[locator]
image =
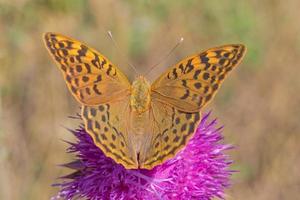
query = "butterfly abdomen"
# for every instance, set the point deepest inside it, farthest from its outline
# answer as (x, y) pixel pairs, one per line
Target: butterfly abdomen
(140, 95)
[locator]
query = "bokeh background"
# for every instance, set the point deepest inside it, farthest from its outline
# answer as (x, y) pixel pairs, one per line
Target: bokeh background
(259, 103)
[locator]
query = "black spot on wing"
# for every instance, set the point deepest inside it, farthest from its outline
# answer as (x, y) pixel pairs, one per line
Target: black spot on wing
(96, 90)
(88, 67)
(85, 79)
(196, 74)
(184, 82)
(198, 85)
(181, 68)
(215, 87)
(166, 138)
(97, 125)
(88, 91)
(93, 112)
(103, 63)
(189, 67)
(186, 95)
(221, 77)
(218, 53)
(226, 55)
(109, 69)
(82, 51)
(101, 108)
(63, 67)
(96, 61)
(204, 59)
(173, 74)
(183, 127)
(89, 125)
(103, 136)
(205, 76)
(68, 78)
(191, 128)
(99, 78)
(176, 139)
(222, 61)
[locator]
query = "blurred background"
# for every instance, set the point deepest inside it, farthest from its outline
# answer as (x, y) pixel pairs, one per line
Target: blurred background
(259, 103)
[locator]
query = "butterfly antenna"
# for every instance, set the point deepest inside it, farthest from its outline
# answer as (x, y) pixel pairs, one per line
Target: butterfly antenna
(165, 56)
(120, 52)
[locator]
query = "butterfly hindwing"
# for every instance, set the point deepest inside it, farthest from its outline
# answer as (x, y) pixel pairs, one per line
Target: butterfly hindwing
(193, 82)
(91, 77)
(108, 126)
(171, 130)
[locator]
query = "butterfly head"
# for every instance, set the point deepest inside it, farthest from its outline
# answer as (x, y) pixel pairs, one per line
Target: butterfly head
(140, 95)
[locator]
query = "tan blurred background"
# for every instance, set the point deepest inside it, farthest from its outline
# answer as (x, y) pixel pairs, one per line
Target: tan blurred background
(259, 103)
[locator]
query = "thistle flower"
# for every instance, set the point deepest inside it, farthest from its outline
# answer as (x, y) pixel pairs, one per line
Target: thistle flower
(199, 171)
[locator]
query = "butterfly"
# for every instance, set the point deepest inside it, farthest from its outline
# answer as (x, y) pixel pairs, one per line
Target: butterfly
(141, 125)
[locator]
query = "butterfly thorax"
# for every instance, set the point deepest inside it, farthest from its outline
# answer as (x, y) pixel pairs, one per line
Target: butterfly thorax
(140, 95)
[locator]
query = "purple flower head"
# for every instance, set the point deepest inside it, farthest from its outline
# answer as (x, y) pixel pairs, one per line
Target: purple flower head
(199, 171)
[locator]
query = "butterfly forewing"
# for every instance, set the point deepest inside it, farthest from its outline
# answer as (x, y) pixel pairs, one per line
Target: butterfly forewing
(91, 77)
(193, 82)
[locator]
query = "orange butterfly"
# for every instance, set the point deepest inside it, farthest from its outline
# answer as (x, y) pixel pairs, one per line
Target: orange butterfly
(140, 125)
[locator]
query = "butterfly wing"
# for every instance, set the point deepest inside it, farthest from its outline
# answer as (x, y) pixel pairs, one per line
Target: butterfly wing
(171, 129)
(91, 78)
(179, 94)
(193, 82)
(108, 126)
(102, 89)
